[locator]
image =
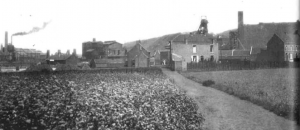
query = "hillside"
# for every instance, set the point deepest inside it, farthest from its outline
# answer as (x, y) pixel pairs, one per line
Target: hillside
(159, 43)
(153, 44)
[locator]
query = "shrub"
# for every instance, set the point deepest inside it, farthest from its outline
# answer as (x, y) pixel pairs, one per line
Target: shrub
(64, 67)
(208, 83)
(86, 67)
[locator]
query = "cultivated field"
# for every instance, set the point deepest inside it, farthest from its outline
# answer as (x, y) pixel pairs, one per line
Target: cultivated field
(273, 89)
(94, 100)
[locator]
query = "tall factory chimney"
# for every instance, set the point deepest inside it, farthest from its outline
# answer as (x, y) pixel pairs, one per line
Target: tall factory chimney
(241, 26)
(74, 52)
(6, 41)
(48, 54)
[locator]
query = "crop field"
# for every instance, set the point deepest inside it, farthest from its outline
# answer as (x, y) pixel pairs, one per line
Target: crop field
(94, 100)
(273, 89)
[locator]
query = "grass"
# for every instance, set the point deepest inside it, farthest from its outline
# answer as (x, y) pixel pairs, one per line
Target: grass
(273, 89)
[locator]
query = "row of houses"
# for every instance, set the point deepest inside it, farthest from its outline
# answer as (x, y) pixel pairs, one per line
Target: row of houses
(261, 42)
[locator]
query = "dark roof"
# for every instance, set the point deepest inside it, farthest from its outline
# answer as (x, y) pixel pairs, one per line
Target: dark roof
(106, 61)
(241, 53)
(194, 38)
(90, 42)
(109, 42)
(234, 53)
(137, 42)
(59, 57)
(256, 50)
(258, 35)
(101, 61)
(290, 39)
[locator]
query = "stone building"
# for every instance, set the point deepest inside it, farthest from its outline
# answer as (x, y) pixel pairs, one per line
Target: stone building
(280, 49)
(196, 47)
(138, 56)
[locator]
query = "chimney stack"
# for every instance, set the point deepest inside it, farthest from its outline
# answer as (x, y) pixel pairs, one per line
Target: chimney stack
(241, 26)
(58, 52)
(48, 54)
(94, 39)
(68, 52)
(6, 41)
(74, 52)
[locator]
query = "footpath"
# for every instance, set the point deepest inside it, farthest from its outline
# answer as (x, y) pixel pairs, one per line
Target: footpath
(225, 112)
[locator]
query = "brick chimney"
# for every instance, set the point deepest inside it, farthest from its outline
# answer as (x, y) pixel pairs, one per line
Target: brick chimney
(58, 52)
(6, 41)
(241, 26)
(74, 52)
(68, 52)
(48, 54)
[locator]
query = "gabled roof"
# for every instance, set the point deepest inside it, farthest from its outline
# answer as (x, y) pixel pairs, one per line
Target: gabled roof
(290, 39)
(258, 35)
(194, 38)
(109, 42)
(138, 43)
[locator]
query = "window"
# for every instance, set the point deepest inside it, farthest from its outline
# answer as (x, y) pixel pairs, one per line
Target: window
(296, 48)
(202, 58)
(194, 59)
(132, 63)
(211, 58)
(286, 56)
(286, 47)
(291, 56)
(194, 49)
(118, 52)
(211, 48)
(114, 52)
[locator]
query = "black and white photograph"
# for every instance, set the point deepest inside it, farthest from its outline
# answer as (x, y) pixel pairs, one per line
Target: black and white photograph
(149, 65)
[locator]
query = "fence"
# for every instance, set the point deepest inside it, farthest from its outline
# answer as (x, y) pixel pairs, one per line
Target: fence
(241, 65)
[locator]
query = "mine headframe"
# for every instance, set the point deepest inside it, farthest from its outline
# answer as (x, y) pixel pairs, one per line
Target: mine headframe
(203, 26)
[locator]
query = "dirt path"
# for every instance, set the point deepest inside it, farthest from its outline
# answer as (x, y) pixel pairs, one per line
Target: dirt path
(225, 112)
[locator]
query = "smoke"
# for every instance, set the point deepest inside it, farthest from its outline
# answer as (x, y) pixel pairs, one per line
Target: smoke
(34, 29)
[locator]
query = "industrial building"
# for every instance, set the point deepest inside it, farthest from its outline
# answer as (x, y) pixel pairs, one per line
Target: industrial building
(63, 58)
(9, 54)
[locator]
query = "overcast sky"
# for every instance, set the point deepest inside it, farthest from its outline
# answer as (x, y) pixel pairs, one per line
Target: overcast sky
(71, 22)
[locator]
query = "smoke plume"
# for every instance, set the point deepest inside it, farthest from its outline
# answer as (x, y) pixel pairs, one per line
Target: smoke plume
(34, 29)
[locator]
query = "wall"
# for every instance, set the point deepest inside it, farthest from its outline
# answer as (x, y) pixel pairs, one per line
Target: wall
(186, 51)
(141, 60)
(114, 47)
(275, 49)
(291, 49)
(98, 50)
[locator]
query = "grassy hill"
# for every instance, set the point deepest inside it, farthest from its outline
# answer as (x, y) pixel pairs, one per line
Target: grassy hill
(159, 43)
(153, 44)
